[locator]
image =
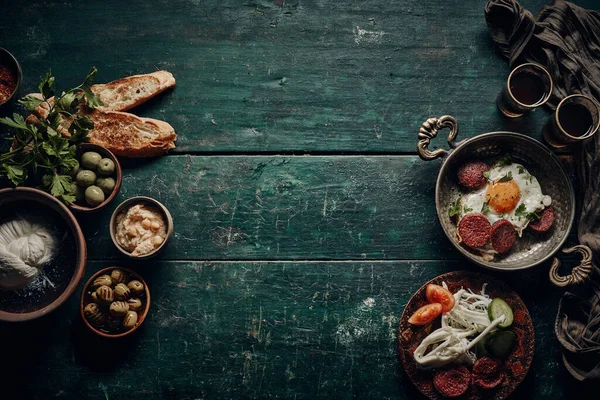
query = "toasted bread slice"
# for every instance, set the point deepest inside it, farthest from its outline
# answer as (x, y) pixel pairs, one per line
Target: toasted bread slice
(128, 135)
(126, 93)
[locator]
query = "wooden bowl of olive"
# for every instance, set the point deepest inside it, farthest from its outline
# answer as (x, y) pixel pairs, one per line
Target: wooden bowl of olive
(98, 178)
(115, 302)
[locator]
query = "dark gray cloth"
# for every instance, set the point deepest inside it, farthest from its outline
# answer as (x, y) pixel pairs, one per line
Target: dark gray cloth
(565, 38)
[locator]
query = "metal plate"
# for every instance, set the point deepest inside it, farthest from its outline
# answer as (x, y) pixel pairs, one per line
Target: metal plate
(517, 364)
(532, 248)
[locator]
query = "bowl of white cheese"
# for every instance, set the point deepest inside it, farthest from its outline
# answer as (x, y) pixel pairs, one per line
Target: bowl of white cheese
(42, 254)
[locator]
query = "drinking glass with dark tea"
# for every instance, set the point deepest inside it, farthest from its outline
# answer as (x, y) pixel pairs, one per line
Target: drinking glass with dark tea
(577, 117)
(528, 86)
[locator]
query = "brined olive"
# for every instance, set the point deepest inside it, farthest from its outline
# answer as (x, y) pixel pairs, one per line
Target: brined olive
(130, 319)
(106, 167)
(94, 196)
(106, 183)
(118, 308)
(136, 287)
(79, 193)
(85, 178)
(105, 294)
(101, 280)
(118, 276)
(122, 292)
(94, 315)
(90, 159)
(134, 304)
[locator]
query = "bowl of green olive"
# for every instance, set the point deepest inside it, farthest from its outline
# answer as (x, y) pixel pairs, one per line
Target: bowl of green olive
(98, 178)
(115, 302)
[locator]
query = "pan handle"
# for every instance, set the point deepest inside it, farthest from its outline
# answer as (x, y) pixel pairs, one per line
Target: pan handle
(580, 274)
(429, 130)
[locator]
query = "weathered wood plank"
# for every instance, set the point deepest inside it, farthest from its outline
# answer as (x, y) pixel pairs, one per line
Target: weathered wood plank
(282, 76)
(257, 330)
(302, 207)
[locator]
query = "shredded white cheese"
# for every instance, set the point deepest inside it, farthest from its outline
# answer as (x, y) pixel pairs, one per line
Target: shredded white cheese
(451, 343)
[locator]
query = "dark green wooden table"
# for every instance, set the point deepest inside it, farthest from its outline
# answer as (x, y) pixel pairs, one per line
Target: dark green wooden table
(304, 219)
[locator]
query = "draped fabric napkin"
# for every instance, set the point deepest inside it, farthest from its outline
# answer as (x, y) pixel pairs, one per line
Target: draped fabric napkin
(565, 38)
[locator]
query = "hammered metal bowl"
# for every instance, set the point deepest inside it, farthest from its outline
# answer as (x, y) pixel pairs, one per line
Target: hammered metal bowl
(532, 248)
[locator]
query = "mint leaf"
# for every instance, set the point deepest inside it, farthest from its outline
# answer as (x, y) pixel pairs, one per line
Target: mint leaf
(30, 102)
(506, 178)
(454, 208)
(46, 85)
(505, 160)
(485, 208)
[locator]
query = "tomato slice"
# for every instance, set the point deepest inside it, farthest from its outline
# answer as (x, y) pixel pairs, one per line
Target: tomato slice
(426, 314)
(437, 294)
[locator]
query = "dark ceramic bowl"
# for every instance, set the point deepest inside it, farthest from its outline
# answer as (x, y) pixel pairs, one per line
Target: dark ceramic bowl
(530, 249)
(86, 299)
(62, 273)
(8, 60)
(80, 207)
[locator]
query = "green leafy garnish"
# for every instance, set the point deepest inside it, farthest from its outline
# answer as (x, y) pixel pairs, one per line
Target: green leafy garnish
(506, 178)
(486, 175)
(521, 211)
(521, 169)
(485, 208)
(467, 209)
(41, 156)
(454, 208)
(505, 160)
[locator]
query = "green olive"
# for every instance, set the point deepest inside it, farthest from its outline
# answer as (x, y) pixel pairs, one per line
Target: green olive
(79, 193)
(85, 178)
(107, 184)
(106, 167)
(90, 159)
(94, 196)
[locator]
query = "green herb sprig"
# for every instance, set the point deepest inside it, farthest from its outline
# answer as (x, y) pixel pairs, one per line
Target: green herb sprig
(41, 156)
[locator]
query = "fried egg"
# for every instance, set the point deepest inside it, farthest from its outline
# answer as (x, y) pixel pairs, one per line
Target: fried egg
(511, 193)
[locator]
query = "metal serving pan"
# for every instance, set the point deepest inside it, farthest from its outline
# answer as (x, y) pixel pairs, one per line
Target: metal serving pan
(530, 249)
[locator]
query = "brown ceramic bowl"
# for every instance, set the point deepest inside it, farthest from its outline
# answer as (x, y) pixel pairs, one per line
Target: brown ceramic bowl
(8, 60)
(136, 200)
(86, 299)
(66, 268)
(81, 207)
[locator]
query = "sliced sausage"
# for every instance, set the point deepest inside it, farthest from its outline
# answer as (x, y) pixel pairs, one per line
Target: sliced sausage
(545, 222)
(474, 230)
(503, 236)
(452, 382)
(488, 372)
(470, 175)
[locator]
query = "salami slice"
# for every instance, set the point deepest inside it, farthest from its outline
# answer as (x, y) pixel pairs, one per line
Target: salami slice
(503, 236)
(488, 372)
(545, 222)
(452, 382)
(474, 230)
(470, 175)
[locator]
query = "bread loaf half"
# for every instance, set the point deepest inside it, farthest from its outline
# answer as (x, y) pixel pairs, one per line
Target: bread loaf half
(123, 133)
(126, 93)
(128, 135)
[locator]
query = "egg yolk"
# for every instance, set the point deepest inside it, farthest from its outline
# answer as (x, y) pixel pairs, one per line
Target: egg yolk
(503, 197)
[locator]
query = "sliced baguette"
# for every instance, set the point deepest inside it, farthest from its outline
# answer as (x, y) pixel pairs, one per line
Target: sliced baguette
(126, 93)
(128, 135)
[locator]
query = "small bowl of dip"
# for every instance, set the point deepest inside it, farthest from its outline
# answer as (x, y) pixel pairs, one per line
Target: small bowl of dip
(140, 227)
(11, 77)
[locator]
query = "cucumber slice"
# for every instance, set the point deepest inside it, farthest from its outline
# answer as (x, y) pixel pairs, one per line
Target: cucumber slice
(500, 343)
(497, 308)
